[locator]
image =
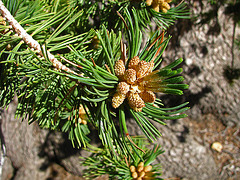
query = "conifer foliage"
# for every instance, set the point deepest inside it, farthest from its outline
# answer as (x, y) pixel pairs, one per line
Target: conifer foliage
(78, 66)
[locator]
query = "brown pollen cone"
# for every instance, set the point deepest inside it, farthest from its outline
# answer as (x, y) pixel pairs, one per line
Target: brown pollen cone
(134, 100)
(132, 83)
(119, 68)
(118, 99)
(130, 76)
(133, 62)
(148, 96)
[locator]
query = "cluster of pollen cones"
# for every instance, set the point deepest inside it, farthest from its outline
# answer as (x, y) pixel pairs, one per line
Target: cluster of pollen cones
(159, 5)
(141, 172)
(131, 85)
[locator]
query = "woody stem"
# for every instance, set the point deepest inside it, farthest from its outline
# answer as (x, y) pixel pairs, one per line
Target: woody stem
(29, 39)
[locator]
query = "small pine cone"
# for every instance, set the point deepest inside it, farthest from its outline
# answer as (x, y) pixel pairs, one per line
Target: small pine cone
(130, 76)
(165, 6)
(134, 175)
(119, 68)
(149, 2)
(2, 22)
(141, 164)
(141, 174)
(133, 63)
(148, 96)
(79, 120)
(123, 87)
(132, 169)
(118, 99)
(137, 109)
(147, 168)
(140, 168)
(142, 69)
(135, 101)
(151, 66)
(149, 175)
(84, 122)
(155, 6)
(164, 10)
(95, 42)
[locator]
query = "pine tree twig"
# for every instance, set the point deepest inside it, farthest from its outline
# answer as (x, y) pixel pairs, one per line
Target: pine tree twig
(180, 3)
(122, 20)
(29, 39)
(123, 52)
(108, 69)
(129, 138)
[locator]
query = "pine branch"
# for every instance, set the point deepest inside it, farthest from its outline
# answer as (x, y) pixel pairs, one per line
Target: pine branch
(124, 166)
(29, 40)
(53, 98)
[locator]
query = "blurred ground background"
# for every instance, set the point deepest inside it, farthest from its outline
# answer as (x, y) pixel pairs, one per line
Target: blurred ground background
(205, 44)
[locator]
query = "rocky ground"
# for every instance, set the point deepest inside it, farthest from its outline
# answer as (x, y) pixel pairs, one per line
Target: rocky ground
(207, 50)
(206, 47)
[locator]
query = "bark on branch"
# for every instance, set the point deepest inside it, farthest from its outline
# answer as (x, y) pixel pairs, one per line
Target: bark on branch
(29, 40)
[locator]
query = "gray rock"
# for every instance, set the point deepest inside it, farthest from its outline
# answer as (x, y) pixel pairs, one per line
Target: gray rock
(24, 158)
(207, 53)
